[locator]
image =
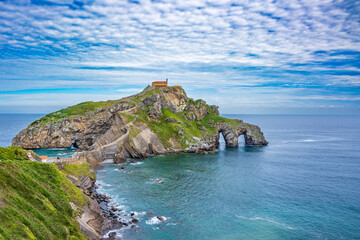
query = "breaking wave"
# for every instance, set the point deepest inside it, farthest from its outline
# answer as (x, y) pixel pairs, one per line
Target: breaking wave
(155, 220)
(266, 220)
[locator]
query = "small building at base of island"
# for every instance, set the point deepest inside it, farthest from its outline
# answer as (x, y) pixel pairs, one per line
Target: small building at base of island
(162, 84)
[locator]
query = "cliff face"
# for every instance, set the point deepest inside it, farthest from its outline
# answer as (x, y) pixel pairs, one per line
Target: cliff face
(80, 131)
(156, 121)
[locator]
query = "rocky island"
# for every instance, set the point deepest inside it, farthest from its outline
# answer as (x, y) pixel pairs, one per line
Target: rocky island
(159, 120)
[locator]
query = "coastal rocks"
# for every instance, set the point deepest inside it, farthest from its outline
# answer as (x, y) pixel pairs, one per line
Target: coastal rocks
(91, 220)
(231, 135)
(172, 120)
(80, 131)
(202, 145)
(202, 128)
(115, 218)
(157, 180)
(147, 142)
(93, 157)
(153, 105)
(199, 109)
(153, 150)
(88, 132)
(116, 130)
(33, 156)
(126, 150)
(161, 218)
(174, 99)
(139, 126)
(252, 133)
(156, 220)
(254, 136)
(144, 143)
(120, 157)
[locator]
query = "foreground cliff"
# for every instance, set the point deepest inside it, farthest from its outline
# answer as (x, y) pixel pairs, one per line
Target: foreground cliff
(36, 199)
(52, 201)
(156, 121)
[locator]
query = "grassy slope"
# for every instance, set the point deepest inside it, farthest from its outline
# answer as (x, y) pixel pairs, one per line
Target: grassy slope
(166, 131)
(128, 117)
(77, 110)
(190, 128)
(34, 201)
(15, 153)
(233, 123)
(79, 170)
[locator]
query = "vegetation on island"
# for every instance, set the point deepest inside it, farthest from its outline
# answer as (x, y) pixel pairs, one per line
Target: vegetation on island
(35, 198)
(183, 131)
(179, 122)
(180, 133)
(80, 109)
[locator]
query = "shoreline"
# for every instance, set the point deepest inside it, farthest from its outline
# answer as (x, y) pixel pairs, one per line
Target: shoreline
(117, 218)
(113, 218)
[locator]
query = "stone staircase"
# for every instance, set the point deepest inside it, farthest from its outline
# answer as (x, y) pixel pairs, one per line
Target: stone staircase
(110, 152)
(111, 148)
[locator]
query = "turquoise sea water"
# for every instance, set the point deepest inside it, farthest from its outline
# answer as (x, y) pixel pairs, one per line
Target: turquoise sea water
(55, 152)
(304, 185)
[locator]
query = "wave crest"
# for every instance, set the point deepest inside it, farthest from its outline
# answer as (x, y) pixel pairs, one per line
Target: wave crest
(266, 220)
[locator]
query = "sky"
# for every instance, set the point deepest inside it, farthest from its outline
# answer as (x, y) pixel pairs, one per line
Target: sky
(246, 56)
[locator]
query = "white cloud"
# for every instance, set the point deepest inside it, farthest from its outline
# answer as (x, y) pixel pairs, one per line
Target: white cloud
(134, 44)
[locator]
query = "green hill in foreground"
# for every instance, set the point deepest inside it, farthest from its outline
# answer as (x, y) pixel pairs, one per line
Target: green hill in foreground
(35, 200)
(13, 153)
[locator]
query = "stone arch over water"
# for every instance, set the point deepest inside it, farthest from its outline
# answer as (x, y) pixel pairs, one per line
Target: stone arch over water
(230, 135)
(252, 134)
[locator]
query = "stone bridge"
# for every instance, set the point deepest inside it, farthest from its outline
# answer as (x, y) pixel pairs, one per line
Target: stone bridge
(252, 134)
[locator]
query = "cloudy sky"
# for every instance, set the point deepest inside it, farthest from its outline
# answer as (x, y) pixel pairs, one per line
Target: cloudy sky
(247, 56)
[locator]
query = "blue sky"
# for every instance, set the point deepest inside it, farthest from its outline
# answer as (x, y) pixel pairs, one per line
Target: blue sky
(257, 56)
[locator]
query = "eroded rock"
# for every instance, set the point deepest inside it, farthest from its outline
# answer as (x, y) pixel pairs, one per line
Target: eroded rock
(128, 128)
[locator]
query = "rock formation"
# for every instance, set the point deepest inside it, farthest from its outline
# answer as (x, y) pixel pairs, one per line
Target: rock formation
(158, 120)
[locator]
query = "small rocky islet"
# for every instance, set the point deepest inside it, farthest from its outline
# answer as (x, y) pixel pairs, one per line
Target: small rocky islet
(159, 120)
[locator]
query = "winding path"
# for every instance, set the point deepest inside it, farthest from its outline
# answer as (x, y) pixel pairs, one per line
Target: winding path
(111, 148)
(127, 127)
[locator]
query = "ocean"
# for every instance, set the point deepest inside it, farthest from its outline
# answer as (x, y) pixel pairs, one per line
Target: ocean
(303, 185)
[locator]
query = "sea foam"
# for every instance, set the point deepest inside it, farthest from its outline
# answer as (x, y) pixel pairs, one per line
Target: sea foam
(267, 220)
(155, 220)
